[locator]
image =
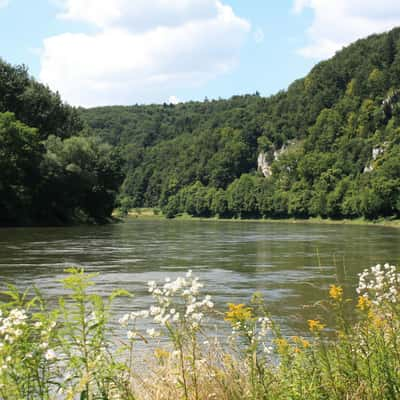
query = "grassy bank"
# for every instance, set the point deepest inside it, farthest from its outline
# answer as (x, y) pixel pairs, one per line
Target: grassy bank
(71, 352)
(147, 213)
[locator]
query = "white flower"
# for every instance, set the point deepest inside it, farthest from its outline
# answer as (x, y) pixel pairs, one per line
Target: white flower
(152, 285)
(50, 355)
(124, 320)
(175, 318)
(152, 332)
(131, 335)
(155, 310)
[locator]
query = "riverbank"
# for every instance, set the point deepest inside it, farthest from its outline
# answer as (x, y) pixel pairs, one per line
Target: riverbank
(151, 213)
(70, 352)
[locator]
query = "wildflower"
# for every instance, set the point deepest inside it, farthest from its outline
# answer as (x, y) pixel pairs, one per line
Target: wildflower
(305, 343)
(161, 354)
(315, 325)
(282, 345)
(131, 335)
(267, 349)
(238, 313)
(175, 317)
(124, 320)
(152, 332)
(301, 341)
(363, 303)
(336, 293)
(50, 355)
(155, 310)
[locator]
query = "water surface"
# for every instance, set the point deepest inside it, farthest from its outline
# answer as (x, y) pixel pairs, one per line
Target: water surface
(291, 264)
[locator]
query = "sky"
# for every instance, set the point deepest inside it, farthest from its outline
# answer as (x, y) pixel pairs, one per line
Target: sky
(106, 52)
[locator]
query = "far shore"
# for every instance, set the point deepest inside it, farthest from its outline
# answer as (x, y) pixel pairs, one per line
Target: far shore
(150, 213)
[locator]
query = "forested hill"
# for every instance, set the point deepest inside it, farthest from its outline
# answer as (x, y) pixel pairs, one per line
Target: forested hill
(51, 170)
(328, 146)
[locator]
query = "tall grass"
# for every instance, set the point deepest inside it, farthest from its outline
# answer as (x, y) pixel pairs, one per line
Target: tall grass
(69, 352)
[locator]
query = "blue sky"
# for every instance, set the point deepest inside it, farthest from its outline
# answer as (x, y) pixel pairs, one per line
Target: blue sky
(98, 52)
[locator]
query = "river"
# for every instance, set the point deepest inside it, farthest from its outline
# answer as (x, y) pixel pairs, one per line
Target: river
(291, 264)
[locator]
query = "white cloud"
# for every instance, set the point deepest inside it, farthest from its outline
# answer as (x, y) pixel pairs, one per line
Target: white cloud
(142, 50)
(138, 15)
(4, 3)
(337, 23)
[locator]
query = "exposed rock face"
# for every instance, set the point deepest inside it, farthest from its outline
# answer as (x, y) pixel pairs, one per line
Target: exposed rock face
(266, 159)
(376, 152)
(390, 103)
(263, 165)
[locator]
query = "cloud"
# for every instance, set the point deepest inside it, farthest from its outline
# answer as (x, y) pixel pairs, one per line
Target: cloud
(138, 15)
(337, 23)
(142, 50)
(4, 3)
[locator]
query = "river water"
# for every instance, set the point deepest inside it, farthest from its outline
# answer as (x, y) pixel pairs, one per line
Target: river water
(291, 264)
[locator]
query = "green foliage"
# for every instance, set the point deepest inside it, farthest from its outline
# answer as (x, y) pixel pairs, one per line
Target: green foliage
(318, 136)
(49, 174)
(71, 351)
(20, 155)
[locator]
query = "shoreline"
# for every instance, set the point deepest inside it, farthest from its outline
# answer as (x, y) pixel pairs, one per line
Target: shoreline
(148, 213)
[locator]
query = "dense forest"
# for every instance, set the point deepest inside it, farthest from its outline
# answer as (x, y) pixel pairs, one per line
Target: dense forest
(328, 146)
(52, 170)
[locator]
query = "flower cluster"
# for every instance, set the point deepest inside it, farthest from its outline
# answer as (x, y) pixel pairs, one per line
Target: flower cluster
(177, 302)
(11, 326)
(245, 324)
(379, 284)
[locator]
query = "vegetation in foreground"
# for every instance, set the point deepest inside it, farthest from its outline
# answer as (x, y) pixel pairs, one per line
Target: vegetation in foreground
(70, 353)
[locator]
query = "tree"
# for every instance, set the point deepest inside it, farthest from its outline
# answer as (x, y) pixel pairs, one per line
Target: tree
(20, 156)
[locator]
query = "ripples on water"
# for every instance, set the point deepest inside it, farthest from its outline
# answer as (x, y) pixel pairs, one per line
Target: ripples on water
(291, 264)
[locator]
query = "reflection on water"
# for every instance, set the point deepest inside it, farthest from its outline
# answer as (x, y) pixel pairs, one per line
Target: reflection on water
(291, 264)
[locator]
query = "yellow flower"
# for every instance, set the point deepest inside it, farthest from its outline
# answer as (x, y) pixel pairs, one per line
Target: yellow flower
(336, 293)
(315, 325)
(301, 341)
(305, 343)
(378, 321)
(161, 354)
(282, 345)
(238, 313)
(297, 350)
(364, 303)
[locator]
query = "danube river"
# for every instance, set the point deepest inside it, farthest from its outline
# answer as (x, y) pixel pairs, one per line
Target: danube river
(291, 264)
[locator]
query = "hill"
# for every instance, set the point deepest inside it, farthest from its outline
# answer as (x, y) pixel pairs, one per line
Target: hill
(327, 146)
